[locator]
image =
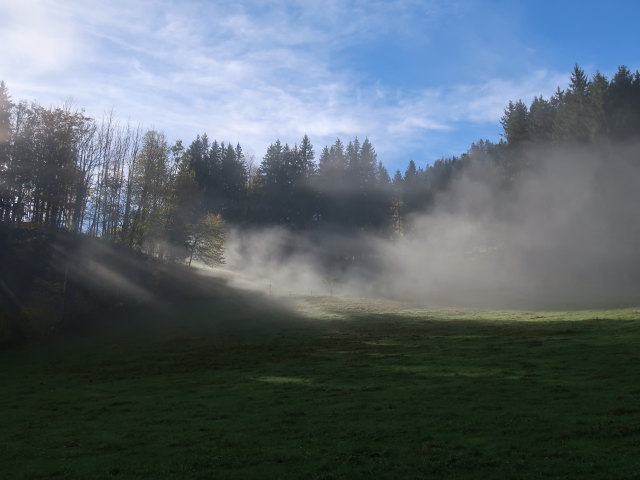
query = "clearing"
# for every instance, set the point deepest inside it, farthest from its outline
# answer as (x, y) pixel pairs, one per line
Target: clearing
(344, 388)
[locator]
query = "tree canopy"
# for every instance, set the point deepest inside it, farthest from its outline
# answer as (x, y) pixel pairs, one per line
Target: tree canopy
(62, 169)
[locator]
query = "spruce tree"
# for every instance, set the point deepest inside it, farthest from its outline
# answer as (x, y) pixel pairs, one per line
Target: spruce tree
(515, 123)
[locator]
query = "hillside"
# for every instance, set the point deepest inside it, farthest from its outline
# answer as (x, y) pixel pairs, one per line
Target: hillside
(54, 280)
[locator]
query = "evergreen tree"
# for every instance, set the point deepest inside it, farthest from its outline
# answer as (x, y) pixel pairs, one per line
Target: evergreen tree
(412, 188)
(272, 170)
(186, 209)
(382, 175)
(598, 92)
(541, 120)
(623, 104)
(233, 181)
(575, 120)
(332, 167)
(272, 182)
(354, 167)
(368, 161)
(199, 154)
(398, 179)
(411, 173)
(307, 156)
(515, 123)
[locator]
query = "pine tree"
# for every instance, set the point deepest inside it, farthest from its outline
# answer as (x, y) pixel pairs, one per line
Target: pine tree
(368, 162)
(515, 123)
(382, 175)
(272, 169)
(541, 120)
(411, 173)
(354, 167)
(233, 181)
(579, 83)
(307, 156)
(199, 152)
(575, 116)
(186, 209)
(597, 93)
(332, 166)
(623, 105)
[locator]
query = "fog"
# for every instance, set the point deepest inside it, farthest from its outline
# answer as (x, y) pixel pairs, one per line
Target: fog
(564, 234)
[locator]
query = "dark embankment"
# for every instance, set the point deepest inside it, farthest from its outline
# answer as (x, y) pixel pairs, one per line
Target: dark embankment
(53, 281)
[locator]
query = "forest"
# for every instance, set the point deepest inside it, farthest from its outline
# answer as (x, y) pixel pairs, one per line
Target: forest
(61, 169)
(548, 211)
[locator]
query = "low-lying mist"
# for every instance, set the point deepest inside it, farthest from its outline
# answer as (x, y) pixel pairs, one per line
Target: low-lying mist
(564, 233)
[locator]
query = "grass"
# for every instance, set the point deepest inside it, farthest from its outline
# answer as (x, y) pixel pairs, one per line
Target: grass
(350, 389)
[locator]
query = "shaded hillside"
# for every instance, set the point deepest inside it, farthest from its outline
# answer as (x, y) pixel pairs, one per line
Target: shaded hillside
(53, 280)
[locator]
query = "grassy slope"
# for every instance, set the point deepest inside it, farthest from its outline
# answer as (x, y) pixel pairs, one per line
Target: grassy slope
(53, 282)
(371, 390)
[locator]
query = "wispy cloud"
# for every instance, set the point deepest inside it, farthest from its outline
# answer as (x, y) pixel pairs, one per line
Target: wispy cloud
(33, 43)
(242, 71)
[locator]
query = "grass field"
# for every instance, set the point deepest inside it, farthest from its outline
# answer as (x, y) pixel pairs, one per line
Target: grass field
(343, 389)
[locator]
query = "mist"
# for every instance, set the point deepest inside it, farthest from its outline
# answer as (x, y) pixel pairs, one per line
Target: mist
(564, 233)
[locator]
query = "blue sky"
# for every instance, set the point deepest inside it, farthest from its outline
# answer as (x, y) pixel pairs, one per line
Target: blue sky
(422, 79)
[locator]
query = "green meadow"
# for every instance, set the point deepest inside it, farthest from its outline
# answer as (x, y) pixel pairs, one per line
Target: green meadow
(328, 389)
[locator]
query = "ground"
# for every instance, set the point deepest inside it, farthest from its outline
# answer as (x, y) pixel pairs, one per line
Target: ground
(342, 388)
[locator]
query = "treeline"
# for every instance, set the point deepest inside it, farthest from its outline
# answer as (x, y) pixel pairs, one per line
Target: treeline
(62, 169)
(590, 111)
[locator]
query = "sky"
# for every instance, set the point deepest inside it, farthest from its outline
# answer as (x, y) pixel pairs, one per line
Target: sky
(422, 79)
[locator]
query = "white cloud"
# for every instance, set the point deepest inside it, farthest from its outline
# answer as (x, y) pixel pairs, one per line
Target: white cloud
(488, 101)
(247, 71)
(32, 38)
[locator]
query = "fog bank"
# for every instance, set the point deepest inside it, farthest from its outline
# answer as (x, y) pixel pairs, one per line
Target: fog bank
(565, 233)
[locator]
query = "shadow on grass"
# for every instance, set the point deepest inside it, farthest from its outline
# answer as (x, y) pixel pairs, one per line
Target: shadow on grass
(246, 390)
